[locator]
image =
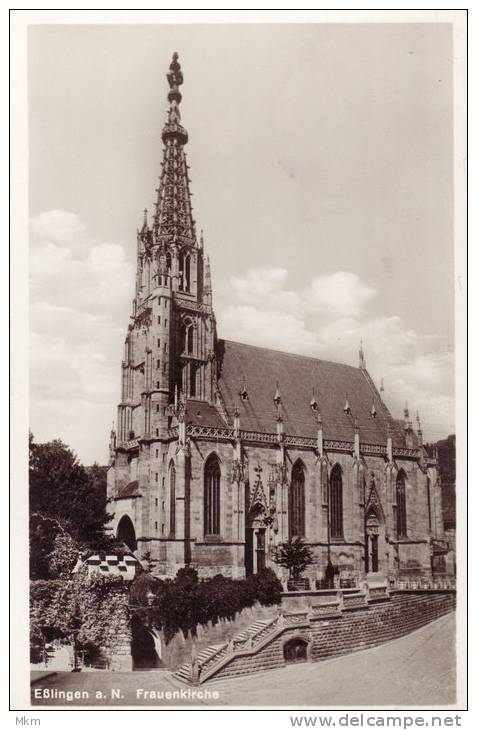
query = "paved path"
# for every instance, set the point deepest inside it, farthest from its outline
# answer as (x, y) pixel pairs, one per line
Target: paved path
(418, 669)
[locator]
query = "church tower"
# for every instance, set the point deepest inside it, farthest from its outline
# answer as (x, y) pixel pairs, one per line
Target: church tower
(170, 341)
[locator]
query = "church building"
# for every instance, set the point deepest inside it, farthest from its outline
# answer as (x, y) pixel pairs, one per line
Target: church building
(224, 450)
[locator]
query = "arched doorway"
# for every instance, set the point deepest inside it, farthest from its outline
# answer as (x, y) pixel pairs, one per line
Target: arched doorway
(295, 650)
(143, 647)
(126, 533)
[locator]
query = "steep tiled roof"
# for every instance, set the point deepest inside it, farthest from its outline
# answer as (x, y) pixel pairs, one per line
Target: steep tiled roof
(297, 375)
(129, 490)
(203, 414)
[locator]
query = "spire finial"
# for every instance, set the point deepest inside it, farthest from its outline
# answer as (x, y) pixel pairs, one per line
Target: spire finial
(362, 361)
(201, 240)
(382, 386)
(313, 402)
(277, 399)
(346, 407)
(173, 128)
(418, 422)
(406, 411)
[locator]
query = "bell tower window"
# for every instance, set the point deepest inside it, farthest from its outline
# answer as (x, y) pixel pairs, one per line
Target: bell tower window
(212, 496)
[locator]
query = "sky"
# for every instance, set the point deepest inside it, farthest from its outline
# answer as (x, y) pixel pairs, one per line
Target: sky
(321, 160)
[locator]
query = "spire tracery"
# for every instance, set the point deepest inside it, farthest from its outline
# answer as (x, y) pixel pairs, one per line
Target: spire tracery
(173, 221)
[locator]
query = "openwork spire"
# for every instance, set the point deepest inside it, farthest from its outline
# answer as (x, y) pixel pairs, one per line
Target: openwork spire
(173, 222)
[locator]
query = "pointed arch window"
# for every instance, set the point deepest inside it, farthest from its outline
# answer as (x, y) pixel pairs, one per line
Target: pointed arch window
(336, 502)
(296, 501)
(187, 273)
(172, 498)
(401, 515)
(193, 376)
(190, 339)
(212, 496)
(181, 271)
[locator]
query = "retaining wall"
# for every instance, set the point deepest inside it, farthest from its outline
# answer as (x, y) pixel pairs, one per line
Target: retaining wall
(404, 612)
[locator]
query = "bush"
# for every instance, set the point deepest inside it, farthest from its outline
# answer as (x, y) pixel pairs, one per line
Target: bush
(185, 602)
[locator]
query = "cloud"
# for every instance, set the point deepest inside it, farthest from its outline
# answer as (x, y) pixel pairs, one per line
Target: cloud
(80, 293)
(327, 319)
(81, 289)
(58, 226)
(340, 294)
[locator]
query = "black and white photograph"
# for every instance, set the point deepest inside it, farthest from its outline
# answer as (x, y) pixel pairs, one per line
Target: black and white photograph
(246, 267)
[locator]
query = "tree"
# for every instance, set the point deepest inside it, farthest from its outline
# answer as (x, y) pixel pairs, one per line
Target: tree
(53, 552)
(295, 555)
(67, 509)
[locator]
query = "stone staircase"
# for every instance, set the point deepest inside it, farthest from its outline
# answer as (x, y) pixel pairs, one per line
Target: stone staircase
(251, 639)
(211, 653)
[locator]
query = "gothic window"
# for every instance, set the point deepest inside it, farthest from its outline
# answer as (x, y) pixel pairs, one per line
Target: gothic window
(324, 483)
(172, 498)
(181, 271)
(187, 273)
(212, 496)
(336, 502)
(401, 518)
(429, 510)
(296, 506)
(190, 339)
(193, 375)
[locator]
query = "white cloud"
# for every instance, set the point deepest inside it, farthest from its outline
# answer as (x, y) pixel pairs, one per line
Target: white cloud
(341, 294)
(80, 294)
(80, 300)
(59, 226)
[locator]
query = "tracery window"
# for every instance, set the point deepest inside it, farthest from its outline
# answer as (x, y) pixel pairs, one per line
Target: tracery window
(212, 496)
(401, 516)
(296, 501)
(336, 502)
(193, 376)
(190, 339)
(172, 498)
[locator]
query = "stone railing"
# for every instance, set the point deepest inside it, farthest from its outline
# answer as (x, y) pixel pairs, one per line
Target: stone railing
(228, 434)
(425, 584)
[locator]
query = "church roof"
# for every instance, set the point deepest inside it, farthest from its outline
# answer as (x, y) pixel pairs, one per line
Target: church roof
(259, 369)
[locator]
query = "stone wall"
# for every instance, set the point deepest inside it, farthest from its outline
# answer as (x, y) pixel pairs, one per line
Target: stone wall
(225, 553)
(351, 631)
(179, 649)
(116, 647)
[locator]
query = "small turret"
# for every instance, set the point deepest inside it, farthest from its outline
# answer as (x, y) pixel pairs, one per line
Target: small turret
(419, 429)
(313, 401)
(319, 437)
(389, 442)
(236, 421)
(362, 361)
(356, 453)
(207, 282)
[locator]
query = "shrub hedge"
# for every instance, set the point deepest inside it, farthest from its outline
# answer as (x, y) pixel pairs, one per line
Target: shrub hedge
(185, 602)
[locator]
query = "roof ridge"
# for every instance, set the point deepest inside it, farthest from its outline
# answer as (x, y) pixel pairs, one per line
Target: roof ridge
(291, 354)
